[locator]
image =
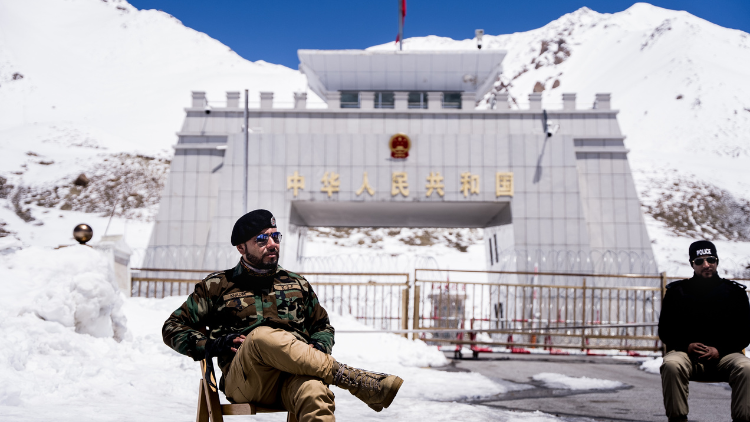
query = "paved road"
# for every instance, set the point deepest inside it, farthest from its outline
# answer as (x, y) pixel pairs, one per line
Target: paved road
(641, 402)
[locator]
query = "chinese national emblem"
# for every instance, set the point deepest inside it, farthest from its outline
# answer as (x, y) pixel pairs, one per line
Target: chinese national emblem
(399, 145)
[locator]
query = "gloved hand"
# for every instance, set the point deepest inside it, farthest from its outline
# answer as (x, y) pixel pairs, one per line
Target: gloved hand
(316, 345)
(221, 345)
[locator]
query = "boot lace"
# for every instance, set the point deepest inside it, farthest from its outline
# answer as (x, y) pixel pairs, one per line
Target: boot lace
(356, 378)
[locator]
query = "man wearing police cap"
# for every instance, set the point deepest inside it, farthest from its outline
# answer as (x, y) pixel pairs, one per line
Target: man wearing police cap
(272, 338)
(705, 325)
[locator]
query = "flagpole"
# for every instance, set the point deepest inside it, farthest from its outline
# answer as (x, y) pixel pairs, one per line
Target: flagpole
(400, 25)
(246, 130)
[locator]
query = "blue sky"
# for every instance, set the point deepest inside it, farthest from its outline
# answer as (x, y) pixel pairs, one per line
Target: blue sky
(274, 30)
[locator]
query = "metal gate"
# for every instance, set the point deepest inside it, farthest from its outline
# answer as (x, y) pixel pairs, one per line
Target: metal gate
(557, 311)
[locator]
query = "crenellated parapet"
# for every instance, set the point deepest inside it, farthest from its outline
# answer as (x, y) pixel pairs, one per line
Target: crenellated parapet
(399, 102)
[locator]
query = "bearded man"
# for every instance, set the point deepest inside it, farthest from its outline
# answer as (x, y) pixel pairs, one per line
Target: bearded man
(272, 338)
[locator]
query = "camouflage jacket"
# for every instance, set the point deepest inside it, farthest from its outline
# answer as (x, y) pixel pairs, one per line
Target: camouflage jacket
(238, 301)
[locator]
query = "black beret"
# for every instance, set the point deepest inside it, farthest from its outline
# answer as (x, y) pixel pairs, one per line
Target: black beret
(702, 247)
(250, 224)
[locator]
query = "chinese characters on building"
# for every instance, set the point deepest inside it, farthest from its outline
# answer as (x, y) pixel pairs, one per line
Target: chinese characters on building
(331, 183)
(435, 182)
(468, 183)
(365, 186)
(295, 182)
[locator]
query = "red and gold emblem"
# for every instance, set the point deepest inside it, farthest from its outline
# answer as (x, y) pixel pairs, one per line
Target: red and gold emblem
(400, 145)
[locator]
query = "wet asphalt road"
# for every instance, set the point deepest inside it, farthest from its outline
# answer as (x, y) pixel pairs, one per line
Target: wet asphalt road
(642, 401)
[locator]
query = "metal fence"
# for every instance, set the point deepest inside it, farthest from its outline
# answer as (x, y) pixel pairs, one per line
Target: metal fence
(551, 311)
(581, 315)
(159, 283)
(377, 300)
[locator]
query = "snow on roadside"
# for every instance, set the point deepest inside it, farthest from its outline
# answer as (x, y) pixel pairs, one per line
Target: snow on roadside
(406, 358)
(65, 375)
(652, 365)
(552, 380)
(71, 286)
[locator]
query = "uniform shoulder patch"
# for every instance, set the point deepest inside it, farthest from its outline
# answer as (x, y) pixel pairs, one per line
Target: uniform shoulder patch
(216, 274)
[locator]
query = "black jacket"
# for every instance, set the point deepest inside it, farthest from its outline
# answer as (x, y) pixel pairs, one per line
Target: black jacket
(714, 312)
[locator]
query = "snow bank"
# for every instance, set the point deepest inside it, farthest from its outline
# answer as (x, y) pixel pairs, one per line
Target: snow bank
(552, 380)
(50, 372)
(382, 348)
(71, 286)
(652, 365)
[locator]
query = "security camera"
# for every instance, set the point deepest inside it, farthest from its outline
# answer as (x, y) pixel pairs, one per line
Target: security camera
(207, 109)
(549, 127)
(552, 129)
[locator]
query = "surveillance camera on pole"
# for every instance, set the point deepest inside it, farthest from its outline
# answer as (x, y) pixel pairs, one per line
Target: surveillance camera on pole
(548, 126)
(479, 33)
(207, 108)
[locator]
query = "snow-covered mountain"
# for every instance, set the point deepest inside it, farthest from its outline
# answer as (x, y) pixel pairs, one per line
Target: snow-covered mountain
(681, 85)
(84, 80)
(93, 87)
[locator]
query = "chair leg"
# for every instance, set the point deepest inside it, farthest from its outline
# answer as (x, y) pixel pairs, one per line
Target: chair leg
(202, 404)
(212, 403)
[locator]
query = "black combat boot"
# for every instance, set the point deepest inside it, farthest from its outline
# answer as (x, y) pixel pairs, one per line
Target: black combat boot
(375, 389)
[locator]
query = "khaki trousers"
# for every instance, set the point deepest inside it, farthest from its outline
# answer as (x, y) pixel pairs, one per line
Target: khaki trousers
(677, 370)
(272, 368)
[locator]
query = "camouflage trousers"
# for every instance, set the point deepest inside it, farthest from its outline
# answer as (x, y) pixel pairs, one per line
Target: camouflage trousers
(272, 368)
(678, 370)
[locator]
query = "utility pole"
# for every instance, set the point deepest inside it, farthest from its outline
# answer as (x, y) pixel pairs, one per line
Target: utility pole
(247, 152)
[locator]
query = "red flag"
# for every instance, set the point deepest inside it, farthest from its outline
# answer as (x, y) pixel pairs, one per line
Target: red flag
(402, 15)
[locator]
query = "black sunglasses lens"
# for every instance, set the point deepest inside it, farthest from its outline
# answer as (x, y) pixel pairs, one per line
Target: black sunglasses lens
(262, 239)
(710, 260)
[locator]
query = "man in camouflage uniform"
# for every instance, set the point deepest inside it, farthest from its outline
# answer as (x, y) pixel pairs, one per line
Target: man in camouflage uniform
(272, 338)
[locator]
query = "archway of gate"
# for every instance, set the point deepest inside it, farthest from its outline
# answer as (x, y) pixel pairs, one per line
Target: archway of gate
(400, 214)
(427, 223)
(491, 216)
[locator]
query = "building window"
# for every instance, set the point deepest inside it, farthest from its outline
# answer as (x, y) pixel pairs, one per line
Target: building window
(417, 100)
(451, 100)
(349, 99)
(384, 100)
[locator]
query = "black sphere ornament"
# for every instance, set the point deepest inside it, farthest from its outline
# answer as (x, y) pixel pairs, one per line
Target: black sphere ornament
(83, 233)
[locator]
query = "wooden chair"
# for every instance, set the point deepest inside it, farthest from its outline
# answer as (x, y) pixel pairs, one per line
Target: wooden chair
(209, 408)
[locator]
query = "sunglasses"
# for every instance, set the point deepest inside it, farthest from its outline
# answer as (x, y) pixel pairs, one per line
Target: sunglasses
(262, 239)
(710, 260)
